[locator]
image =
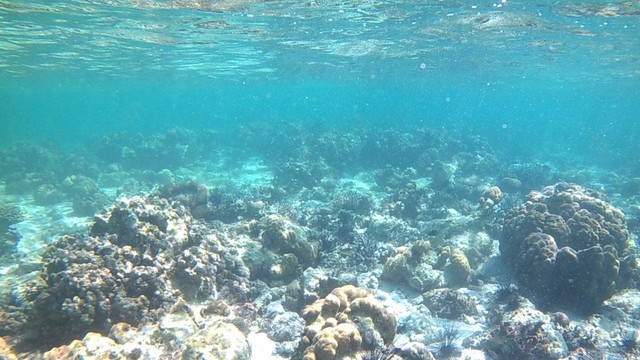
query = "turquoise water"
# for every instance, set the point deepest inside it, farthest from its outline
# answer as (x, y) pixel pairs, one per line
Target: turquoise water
(549, 77)
(257, 123)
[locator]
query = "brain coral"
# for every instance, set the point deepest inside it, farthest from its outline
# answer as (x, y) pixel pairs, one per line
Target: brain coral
(563, 244)
(284, 236)
(335, 325)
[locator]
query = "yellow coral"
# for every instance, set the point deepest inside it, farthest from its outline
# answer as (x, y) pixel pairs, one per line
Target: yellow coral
(343, 339)
(92, 346)
(420, 249)
(283, 236)
(347, 294)
(458, 270)
(490, 197)
(396, 267)
(384, 322)
(331, 332)
(286, 268)
(5, 351)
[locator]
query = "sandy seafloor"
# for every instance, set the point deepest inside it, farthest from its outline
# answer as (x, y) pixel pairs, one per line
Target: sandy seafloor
(223, 254)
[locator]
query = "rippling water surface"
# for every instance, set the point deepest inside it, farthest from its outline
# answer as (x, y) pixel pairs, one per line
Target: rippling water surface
(557, 73)
(340, 38)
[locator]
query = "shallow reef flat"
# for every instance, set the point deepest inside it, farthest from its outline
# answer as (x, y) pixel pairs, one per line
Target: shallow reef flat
(288, 242)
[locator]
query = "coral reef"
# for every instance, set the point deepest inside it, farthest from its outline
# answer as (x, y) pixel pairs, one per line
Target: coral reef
(220, 340)
(231, 206)
(519, 341)
(510, 184)
(191, 194)
(522, 332)
(277, 251)
(565, 243)
(177, 147)
(409, 200)
(47, 194)
(393, 178)
(26, 158)
(215, 340)
(296, 175)
(410, 265)
(6, 353)
(39, 170)
(457, 271)
(10, 214)
(126, 272)
(527, 176)
(285, 237)
(93, 345)
(284, 327)
(449, 304)
(353, 200)
(490, 197)
(280, 251)
(86, 196)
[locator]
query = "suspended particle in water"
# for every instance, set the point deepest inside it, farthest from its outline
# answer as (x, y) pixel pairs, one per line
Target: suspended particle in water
(504, 126)
(447, 99)
(423, 66)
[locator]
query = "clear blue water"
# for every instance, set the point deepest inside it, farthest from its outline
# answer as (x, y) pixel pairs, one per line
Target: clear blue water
(537, 79)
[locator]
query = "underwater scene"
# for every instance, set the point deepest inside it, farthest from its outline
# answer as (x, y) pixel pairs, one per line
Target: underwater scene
(319, 179)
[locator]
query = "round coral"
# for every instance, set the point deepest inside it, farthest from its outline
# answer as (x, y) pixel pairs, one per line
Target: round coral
(458, 270)
(283, 236)
(490, 197)
(563, 244)
(335, 325)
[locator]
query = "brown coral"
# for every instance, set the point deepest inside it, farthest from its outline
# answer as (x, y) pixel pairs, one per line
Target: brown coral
(491, 197)
(410, 266)
(283, 236)
(536, 261)
(331, 341)
(397, 266)
(563, 243)
(458, 270)
(334, 325)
